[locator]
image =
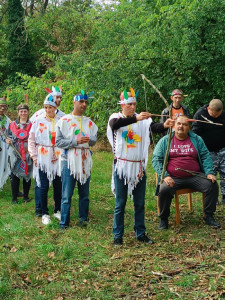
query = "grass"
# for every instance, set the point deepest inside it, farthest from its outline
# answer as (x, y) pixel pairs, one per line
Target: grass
(43, 262)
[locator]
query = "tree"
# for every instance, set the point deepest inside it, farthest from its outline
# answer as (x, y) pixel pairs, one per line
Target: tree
(20, 56)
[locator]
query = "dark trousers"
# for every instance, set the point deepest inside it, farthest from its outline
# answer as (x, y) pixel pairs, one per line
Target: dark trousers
(57, 192)
(15, 184)
(166, 193)
(37, 192)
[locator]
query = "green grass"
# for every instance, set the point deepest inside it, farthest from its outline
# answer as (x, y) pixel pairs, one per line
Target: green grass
(39, 262)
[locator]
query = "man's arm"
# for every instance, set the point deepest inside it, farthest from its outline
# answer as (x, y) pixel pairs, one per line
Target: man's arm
(205, 157)
(197, 127)
(63, 143)
(116, 123)
(161, 127)
(159, 156)
(93, 140)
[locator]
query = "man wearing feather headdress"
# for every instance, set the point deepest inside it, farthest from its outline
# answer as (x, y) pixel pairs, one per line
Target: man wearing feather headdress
(75, 134)
(128, 134)
(213, 136)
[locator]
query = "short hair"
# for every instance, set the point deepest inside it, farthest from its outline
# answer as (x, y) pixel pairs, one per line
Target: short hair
(216, 105)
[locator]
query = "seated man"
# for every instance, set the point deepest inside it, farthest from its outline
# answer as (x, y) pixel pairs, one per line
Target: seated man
(187, 151)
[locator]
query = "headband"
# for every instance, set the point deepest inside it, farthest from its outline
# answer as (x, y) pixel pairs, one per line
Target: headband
(49, 100)
(125, 99)
(83, 96)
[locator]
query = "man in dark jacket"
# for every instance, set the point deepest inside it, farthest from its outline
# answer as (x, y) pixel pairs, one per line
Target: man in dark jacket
(213, 136)
(187, 151)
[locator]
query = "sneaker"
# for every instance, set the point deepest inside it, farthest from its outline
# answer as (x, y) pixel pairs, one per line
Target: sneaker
(163, 224)
(14, 201)
(46, 219)
(118, 242)
(209, 220)
(57, 215)
(145, 239)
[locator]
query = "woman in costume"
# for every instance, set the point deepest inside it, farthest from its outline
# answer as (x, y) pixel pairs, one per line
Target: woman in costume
(41, 146)
(23, 166)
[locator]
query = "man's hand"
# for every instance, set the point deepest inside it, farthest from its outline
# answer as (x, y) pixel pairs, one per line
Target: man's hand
(169, 181)
(211, 177)
(169, 123)
(143, 116)
(83, 140)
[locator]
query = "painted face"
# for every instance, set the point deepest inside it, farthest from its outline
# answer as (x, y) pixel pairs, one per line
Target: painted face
(181, 128)
(214, 113)
(176, 100)
(58, 100)
(23, 113)
(80, 106)
(3, 108)
(128, 109)
(50, 110)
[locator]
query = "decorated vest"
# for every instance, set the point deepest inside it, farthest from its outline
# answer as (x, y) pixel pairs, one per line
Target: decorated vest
(21, 133)
(130, 148)
(79, 158)
(44, 130)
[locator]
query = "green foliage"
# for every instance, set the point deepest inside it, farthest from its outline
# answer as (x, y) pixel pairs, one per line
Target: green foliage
(175, 43)
(20, 57)
(43, 262)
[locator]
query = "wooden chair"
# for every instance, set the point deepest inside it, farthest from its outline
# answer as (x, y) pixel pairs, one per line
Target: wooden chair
(187, 192)
(189, 196)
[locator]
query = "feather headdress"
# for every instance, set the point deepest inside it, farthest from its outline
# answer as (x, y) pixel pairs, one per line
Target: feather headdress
(126, 99)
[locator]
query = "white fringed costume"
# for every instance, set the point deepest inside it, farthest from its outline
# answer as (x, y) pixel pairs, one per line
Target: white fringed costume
(79, 159)
(130, 148)
(5, 153)
(41, 146)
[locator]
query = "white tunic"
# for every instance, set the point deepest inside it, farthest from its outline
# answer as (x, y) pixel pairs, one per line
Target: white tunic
(44, 131)
(5, 153)
(130, 147)
(79, 159)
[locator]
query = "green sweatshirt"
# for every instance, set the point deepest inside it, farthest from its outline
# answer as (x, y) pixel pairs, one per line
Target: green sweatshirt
(204, 158)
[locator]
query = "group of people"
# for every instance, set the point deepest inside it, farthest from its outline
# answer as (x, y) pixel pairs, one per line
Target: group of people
(55, 148)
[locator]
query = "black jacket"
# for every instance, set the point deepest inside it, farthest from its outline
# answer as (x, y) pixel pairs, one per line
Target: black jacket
(213, 135)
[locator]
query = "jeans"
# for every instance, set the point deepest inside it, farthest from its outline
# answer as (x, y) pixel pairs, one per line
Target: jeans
(68, 185)
(37, 192)
(166, 193)
(57, 188)
(139, 207)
